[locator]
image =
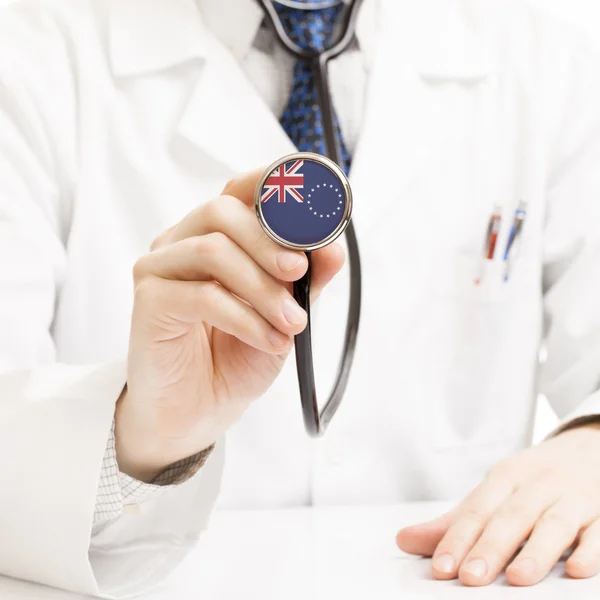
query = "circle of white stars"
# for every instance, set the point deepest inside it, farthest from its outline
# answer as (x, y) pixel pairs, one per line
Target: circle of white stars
(332, 213)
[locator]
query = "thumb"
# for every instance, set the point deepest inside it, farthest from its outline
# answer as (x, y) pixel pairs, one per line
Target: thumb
(422, 539)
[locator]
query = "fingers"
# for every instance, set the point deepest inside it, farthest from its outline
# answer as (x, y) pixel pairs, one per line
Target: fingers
(422, 539)
(510, 525)
(222, 240)
(585, 561)
(244, 186)
(472, 517)
(554, 533)
(205, 301)
(482, 540)
(230, 216)
(216, 257)
(544, 500)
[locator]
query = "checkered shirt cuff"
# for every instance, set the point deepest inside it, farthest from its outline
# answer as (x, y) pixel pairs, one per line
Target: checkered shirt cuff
(116, 489)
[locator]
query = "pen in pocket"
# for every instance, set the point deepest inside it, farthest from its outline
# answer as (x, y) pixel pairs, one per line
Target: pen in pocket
(512, 244)
(491, 238)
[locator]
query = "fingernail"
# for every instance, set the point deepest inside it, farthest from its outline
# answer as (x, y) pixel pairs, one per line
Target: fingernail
(583, 560)
(292, 312)
(288, 261)
(477, 568)
(277, 339)
(444, 564)
(525, 566)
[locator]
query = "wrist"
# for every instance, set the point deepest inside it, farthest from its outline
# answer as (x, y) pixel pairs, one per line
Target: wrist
(142, 453)
(128, 443)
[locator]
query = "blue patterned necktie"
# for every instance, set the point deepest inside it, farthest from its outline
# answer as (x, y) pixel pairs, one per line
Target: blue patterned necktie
(311, 29)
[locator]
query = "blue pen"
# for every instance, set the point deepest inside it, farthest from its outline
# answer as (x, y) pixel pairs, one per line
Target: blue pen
(514, 234)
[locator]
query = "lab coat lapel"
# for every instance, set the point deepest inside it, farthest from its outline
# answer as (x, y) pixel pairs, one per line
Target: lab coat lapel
(227, 120)
(411, 114)
(408, 116)
(224, 117)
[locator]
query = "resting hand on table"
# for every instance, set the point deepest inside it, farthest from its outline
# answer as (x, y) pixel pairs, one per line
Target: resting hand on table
(547, 497)
(213, 322)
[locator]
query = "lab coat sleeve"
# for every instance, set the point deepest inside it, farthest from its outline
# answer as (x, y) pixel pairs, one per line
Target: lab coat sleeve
(55, 419)
(117, 490)
(570, 376)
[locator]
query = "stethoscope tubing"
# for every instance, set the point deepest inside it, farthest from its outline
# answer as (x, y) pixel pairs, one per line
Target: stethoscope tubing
(316, 421)
(348, 27)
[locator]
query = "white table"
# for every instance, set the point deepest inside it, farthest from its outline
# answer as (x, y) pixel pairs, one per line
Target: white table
(318, 554)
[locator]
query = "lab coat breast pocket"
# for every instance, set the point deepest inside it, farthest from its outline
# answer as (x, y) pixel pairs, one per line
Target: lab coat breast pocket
(483, 343)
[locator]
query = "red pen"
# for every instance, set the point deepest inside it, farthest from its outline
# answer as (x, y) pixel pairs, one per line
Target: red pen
(491, 239)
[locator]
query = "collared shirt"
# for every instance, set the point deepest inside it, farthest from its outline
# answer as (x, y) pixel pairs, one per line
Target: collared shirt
(240, 26)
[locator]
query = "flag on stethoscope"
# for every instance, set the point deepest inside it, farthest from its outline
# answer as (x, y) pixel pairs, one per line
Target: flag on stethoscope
(303, 201)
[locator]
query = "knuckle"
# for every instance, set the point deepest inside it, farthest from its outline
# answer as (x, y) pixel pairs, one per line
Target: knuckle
(226, 202)
(549, 486)
(225, 213)
(211, 212)
(457, 537)
(558, 520)
(157, 242)
(207, 246)
(231, 185)
(475, 515)
(500, 470)
(197, 245)
(147, 291)
(245, 315)
(141, 268)
(217, 242)
(508, 513)
(162, 239)
(208, 291)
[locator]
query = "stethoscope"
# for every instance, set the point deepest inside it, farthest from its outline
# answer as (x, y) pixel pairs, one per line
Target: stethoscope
(316, 420)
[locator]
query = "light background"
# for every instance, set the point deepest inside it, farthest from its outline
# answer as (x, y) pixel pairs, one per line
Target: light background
(584, 14)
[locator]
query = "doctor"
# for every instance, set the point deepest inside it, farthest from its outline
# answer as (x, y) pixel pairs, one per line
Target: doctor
(130, 135)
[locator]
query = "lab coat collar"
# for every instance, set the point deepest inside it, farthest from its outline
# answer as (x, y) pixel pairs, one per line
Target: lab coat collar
(446, 42)
(157, 34)
(164, 33)
(236, 24)
(153, 35)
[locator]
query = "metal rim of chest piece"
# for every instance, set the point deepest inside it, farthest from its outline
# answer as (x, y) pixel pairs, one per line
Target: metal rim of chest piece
(340, 176)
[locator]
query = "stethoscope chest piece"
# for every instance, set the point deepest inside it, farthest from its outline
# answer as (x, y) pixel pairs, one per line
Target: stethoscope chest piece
(303, 201)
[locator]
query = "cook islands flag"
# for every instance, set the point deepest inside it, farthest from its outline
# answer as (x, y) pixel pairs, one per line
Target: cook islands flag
(303, 202)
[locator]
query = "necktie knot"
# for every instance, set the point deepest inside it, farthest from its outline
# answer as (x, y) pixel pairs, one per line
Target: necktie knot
(310, 29)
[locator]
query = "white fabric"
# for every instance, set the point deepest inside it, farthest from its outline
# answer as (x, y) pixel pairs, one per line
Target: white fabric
(118, 491)
(116, 121)
(237, 24)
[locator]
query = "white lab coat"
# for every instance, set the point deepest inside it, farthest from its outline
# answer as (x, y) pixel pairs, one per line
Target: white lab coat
(116, 119)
